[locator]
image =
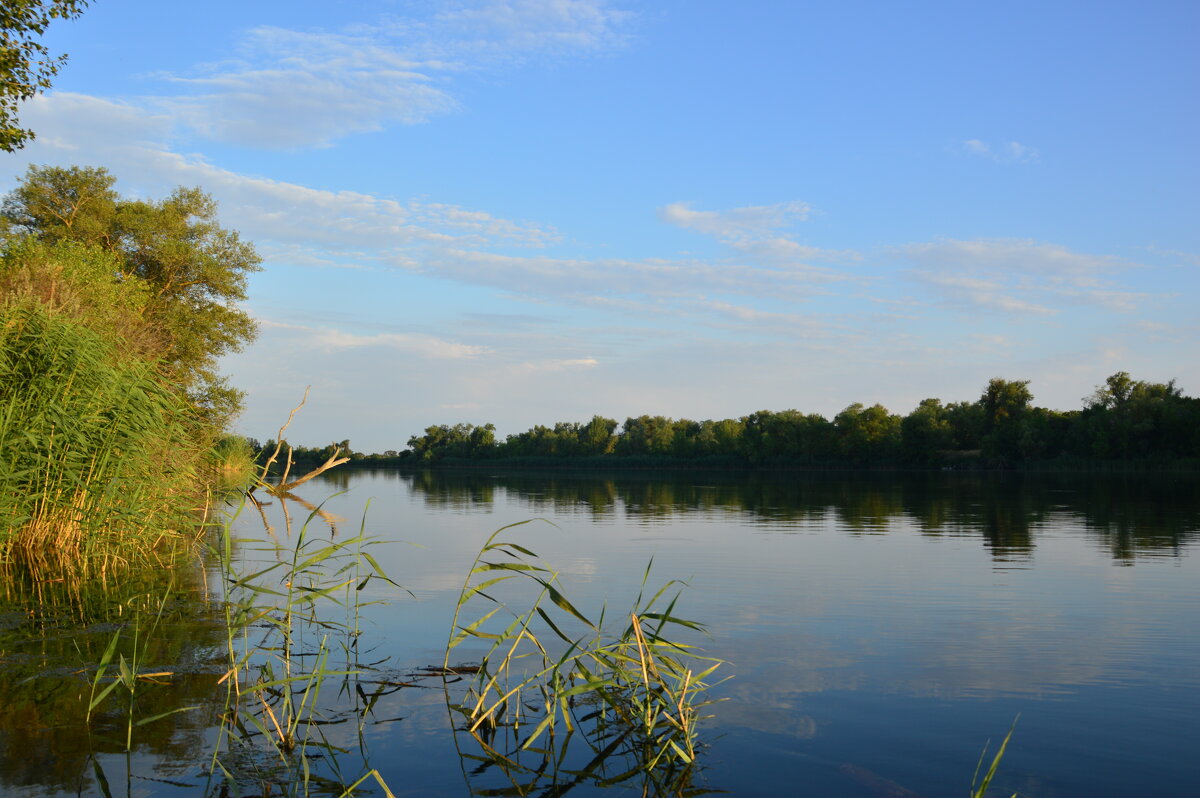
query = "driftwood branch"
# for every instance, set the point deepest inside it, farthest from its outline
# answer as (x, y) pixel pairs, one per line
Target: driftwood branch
(285, 487)
(279, 441)
(333, 461)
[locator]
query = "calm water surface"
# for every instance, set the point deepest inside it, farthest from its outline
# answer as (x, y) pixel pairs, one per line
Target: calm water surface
(878, 630)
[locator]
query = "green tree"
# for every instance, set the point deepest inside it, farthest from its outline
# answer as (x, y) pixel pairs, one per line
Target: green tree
(1128, 418)
(194, 270)
(966, 423)
(597, 437)
(867, 434)
(1006, 405)
(646, 435)
(926, 433)
(26, 65)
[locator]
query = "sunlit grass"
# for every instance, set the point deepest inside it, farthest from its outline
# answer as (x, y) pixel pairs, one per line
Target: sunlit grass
(549, 666)
(99, 461)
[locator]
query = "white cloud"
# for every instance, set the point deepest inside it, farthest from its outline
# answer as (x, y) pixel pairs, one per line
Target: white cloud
(750, 318)
(288, 89)
(1013, 255)
(318, 228)
(736, 224)
(515, 27)
(295, 89)
(415, 343)
(754, 232)
(1020, 153)
(333, 340)
(615, 279)
(977, 147)
(337, 227)
(982, 293)
(1008, 152)
(558, 365)
(1021, 276)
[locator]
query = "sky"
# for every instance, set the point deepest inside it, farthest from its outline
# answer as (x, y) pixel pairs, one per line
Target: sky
(529, 211)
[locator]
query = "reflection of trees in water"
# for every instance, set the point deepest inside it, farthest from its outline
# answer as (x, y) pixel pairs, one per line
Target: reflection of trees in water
(48, 656)
(1139, 515)
(463, 491)
(1132, 514)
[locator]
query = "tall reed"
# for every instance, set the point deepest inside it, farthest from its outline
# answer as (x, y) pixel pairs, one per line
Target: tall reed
(548, 666)
(98, 459)
(280, 651)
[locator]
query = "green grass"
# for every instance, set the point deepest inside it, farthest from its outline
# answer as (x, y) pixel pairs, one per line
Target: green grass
(551, 674)
(979, 788)
(285, 646)
(99, 456)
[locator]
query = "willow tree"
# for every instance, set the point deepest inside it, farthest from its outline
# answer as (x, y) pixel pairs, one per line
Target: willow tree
(193, 270)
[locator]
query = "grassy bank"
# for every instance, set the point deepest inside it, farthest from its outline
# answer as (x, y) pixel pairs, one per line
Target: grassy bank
(110, 408)
(100, 458)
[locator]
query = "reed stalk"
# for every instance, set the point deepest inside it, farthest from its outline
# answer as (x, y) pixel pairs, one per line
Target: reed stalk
(639, 688)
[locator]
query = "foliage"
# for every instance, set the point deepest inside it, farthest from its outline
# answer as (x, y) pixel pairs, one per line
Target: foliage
(112, 315)
(188, 271)
(979, 788)
(1006, 405)
(639, 690)
(26, 66)
(461, 440)
(1127, 421)
(231, 462)
(98, 453)
(282, 649)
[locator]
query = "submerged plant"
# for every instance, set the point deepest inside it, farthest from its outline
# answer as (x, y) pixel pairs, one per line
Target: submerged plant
(636, 697)
(130, 673)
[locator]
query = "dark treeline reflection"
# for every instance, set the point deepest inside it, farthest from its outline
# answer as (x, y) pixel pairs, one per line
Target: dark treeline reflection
(1131, 514)
(48, 654)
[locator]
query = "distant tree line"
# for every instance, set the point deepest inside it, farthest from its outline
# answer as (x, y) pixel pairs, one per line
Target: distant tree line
(1124, 420)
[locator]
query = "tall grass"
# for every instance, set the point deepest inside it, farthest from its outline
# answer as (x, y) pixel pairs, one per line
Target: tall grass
(979, 787)
(99, 460)
(230, 464)
(551, 674)
(284, 649)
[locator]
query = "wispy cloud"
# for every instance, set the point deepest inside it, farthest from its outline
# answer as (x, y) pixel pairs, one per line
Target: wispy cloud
(1007, 152)
(558, 365)
(331, 340)
(755, 232)
(518, 28)
(1020, 275)
(316, 225)
(739, 223)
(317, 228)
(290, 89)
(1013, 255)
(989, 294)
(616, 279)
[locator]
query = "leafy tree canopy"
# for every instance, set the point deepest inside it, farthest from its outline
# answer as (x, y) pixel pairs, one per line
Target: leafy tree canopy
(193, 270)
(26, 66)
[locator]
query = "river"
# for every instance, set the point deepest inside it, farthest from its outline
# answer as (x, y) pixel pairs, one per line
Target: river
(878, 631)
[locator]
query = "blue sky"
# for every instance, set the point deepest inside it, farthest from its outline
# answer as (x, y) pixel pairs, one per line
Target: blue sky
(529, 211)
